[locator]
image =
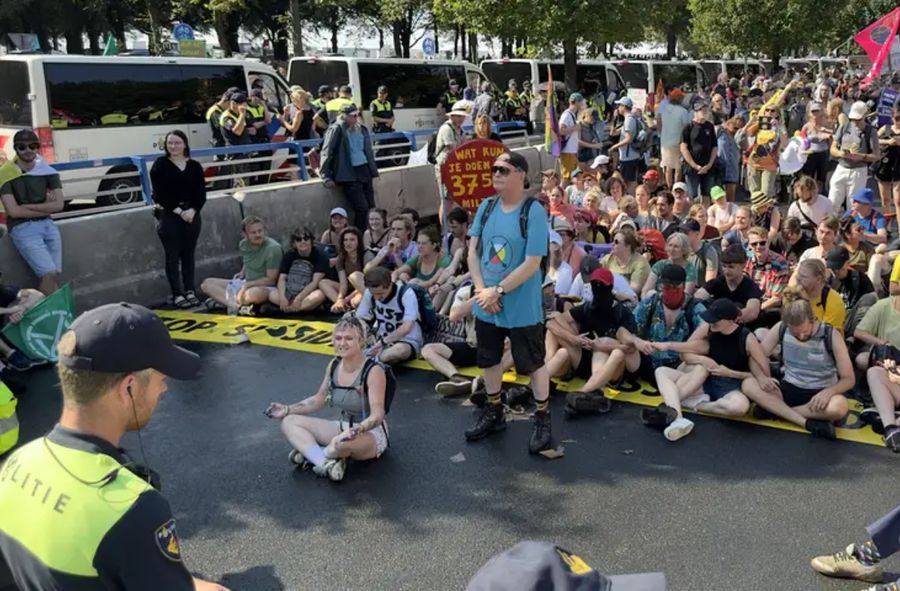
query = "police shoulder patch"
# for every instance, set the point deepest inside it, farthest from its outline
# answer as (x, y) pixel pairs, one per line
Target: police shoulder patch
(167, 541)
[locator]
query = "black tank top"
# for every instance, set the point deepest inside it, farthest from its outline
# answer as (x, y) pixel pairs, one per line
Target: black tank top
(730, 350)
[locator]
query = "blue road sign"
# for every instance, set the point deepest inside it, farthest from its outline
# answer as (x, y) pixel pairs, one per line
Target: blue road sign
(183, 32)
(428, 46)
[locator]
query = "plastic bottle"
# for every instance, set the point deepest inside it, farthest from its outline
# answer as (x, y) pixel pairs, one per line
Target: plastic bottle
(231, 299)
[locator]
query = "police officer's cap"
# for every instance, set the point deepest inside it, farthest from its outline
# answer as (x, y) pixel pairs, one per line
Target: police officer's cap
(350, 109)
(124, 338)
(226, 96)
(239, 97)
(324, 89)
(453, 82)
(382, 89)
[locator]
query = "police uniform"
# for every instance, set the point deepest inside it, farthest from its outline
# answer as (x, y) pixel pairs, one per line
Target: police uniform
(213, 114)
(227, 121)
(78, 514)
(448, 99)
(335, 106)
(384, 110)
(255, 114)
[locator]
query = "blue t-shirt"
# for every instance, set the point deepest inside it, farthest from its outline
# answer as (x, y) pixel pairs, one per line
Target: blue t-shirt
(871, 223)
(357, 148)
(502, 250)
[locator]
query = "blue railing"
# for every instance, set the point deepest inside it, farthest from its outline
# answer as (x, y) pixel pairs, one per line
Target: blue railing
(141, 163)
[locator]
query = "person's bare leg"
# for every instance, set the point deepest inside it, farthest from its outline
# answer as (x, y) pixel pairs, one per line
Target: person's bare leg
(312, 301)
(670, 176)
(666, 384)
(49, 283)
(303, 432)
(254, 295)
(396, 353)
(836, 410)
(330, 288)
(363, 447)
(215, 288)
(733, 404)
(438, 355)
(772, 402)
(691, 380)
(605, 367)
(885, 394)
(884, 190)
(540, 383)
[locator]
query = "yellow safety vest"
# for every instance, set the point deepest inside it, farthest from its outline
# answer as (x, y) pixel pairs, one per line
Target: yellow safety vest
(258, 112)
(55, 517)
(114, 119)
(9, 423)
(378, 106)
(335, 105)
(214, 111)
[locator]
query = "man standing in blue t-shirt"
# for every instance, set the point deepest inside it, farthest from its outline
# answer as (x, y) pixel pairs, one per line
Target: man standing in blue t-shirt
(506, 272)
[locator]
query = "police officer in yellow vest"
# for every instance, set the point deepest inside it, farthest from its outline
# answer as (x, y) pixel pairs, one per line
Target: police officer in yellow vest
(214, 113)
(78, 513)
(382, 112)
(324, 93)
(336, 105)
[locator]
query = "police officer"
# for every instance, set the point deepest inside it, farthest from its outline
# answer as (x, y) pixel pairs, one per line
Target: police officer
(325, 95)
(450, 97)
(258, 119)
(382, 112)
(214, 113)
(78, 512)
(514, 107)
(233, 123)
(335, 106)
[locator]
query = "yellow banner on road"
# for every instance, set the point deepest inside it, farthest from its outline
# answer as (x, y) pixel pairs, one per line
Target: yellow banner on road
(315, 337)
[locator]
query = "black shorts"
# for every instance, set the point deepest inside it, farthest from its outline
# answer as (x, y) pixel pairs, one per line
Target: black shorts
(462, 354)
(795, 395)
(8, 295)
(647, 372)
(629, 169)
(527, 346)
(585, 366)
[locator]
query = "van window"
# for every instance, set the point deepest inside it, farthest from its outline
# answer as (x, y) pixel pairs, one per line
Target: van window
(410, 86)
(591, 79)
(634, 75)
(683, 76)
(312, 75)
(713, 69)
(736, 70)
(558, 71)
(104, 95)
(616, 84)
(276, 94)
(500, 73)
(15, 108)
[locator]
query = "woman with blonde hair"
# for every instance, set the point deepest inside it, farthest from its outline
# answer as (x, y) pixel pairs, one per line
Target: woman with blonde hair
(834, 113)
(819, 134)
(484, 129)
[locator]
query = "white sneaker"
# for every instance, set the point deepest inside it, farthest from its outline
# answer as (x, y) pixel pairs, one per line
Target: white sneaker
(477, 382)
(335, 469)
(694, 401)
(678, 429)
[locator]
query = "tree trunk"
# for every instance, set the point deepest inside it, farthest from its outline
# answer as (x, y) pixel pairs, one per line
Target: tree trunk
(334, 37)
(455, 41)
(296, 28)
(154, 36)
(570, 60)
(473, 48)
(74, 42)
(671, 43)
(395, 33)
(462, 43)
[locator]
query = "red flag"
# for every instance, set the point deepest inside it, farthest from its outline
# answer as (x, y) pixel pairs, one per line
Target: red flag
(876, 40)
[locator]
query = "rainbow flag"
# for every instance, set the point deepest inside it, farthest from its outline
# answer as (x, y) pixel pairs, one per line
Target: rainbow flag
(551, 124)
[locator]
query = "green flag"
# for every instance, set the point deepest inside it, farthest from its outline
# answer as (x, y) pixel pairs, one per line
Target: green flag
(111, 48)
(40, 329)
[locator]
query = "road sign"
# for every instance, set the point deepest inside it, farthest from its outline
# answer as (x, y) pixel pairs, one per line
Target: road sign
(183, 32)
(428, 46)
(192, 48)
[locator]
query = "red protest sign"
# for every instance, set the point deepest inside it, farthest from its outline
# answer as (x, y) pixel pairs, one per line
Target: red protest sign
(467, 172)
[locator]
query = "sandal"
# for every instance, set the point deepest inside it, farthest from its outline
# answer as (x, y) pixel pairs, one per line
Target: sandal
(181, 302)
(192, 298)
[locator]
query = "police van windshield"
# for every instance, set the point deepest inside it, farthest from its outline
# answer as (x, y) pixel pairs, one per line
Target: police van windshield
(15, 108)
(411, 85)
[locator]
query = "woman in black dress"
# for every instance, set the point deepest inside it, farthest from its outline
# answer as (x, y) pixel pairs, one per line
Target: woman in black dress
(888, 169)
(179, 191)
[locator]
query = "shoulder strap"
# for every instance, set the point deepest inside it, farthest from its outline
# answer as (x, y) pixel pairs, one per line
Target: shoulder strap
(485, 214)
(829, 342)
(401, 291)
(650, 313)
(781, 333)
(332, 367)
(523, 216)
(689, 306)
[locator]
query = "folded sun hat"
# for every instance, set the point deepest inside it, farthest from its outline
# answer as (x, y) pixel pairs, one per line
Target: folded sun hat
(679, 186)
(599, 161)
(716, 193)
(759, 199)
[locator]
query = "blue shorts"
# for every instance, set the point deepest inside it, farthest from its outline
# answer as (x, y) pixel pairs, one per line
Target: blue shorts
(39, 243)
(717, 387)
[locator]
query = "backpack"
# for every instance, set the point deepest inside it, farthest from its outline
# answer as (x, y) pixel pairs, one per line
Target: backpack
(390, 382)
(523, 224)
(431, 148)
(688, 310)
(654, 243)
(639, 141)
(829, 346)
(428, 318)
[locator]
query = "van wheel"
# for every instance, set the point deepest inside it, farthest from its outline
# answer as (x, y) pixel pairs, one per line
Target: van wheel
(126, 189)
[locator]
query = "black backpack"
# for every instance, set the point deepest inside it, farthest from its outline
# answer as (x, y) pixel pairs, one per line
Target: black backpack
(523, 224)
(431, 148)
(390, 382)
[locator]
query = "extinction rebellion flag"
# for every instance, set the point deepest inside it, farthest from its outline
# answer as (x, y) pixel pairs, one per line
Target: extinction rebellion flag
(879, 40)
(41, 327)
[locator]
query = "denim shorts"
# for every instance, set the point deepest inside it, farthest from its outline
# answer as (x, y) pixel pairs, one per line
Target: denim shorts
(39, 243)
(717, 387)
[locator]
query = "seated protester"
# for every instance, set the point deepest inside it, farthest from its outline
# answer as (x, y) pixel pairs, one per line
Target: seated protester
(721, 213)
(855, 289)
(668, 316)
(863, 257)
(698, 212)
(559, 208)
(583, 341)
(378, 233)
(644, 199)
(738, 233)
(816, 371)
(426, 268)
(559, 273)
(587, 230)
(682, 202)
(300, 275)
(350, 264)
(792, 241)
(356, 385)
(254, 284)
(734, 285)
(576, 190)
(628, 212)
(395, 310)
(765, 213)
(457, 238)
(826, 236)
(826, 303)
(664, 220)
(445, 358)
(399, 248)
(338, 220)
(809, 206)
(412, 215)
(770, 272)
(718, 358)
(581, 284)
(679, 250)
(569, 251)
(880, 330)
(704, 256)
(591, 201)
(14, 303)
(626, 260)
(615, 190)
(457, 272)
(872, 222)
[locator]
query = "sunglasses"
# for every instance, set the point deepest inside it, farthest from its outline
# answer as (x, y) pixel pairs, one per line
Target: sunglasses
(22, 147)
(501, 170)
(304, 238)
(759, 244)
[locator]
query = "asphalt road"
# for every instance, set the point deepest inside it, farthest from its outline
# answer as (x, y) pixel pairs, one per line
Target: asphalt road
(733, 506)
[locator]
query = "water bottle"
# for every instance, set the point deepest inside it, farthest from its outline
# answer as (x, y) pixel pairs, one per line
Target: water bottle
(231, 299)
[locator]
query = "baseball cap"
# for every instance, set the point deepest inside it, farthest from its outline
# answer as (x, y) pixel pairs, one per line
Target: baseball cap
(226, 96)
(689, 225)
(837, 257)
(350, 109)
(576, 97)
(555, 238)
(452, 82)
(733, 253)
(626, 101)
(857, 111)
(651, 175)
(603, 276)
(673, 275)
(323, 89)
(599, 161)
(517, 160)
(679, 186)
(575, 173)
(864, 196)
(562, 225)
(24, 136)
(721, 309)
(338, 211)
(549, 172)
(124, 338)
(239, 97)
(589, 264)
(716, 193)
(382, 89)
(699, 104)
(533, 566)
(676, 93)
(815, 106)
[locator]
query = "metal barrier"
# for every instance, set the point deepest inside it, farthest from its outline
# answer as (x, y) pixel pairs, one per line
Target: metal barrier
(125, 181)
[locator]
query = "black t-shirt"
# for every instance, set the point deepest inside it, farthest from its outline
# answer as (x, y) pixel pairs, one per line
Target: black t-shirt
(852, 287)
(746, 290)
(300, 269)
(792, 253)
(603, 325)
(700, 139)
(8, 295)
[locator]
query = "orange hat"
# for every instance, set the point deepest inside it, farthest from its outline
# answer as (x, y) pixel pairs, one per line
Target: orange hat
(676, 93)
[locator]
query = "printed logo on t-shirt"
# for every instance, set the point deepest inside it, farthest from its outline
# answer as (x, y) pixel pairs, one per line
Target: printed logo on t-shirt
(499, 254)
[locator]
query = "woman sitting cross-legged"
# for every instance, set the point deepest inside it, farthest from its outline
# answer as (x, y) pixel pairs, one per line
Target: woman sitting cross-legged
(361, 389)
